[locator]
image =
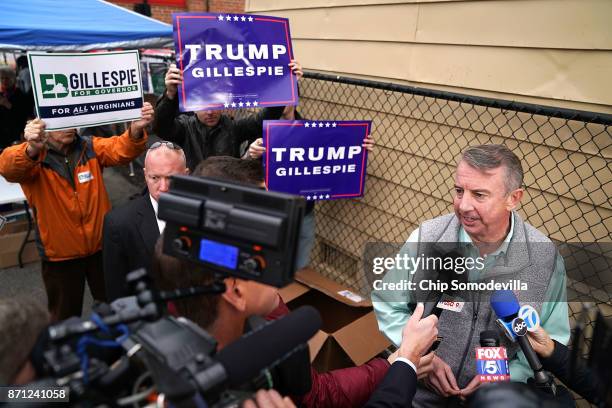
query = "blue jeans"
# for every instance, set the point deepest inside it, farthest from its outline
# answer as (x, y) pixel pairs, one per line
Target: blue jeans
(305, 241)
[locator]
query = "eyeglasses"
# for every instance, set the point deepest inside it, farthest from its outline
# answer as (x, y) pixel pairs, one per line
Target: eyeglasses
(170, 145)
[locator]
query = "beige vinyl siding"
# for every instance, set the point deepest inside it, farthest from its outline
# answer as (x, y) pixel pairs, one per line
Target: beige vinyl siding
(555, 53)
(558, 52)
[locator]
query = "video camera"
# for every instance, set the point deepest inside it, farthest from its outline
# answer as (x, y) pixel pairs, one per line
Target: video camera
(232, 229)
(126, 353)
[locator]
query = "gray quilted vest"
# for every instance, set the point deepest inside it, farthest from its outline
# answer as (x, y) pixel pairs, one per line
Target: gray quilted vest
(530, 258)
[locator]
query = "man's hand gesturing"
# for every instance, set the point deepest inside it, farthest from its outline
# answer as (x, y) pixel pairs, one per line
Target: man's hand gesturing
(418, 335)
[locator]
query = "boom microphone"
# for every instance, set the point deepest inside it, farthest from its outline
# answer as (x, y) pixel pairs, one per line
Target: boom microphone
(246, 357)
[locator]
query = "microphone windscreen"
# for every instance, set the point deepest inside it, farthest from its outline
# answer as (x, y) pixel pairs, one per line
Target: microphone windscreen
(489, 338)
(504, 303)
(246, 357)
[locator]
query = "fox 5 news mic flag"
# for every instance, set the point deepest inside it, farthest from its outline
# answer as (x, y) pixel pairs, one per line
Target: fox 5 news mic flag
(492, 364)
(321, 160)
(233, 61)
(79, 90)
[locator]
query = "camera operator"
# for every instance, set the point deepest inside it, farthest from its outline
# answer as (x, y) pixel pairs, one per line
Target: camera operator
(224, 316)
(21, 321)
(555, 357)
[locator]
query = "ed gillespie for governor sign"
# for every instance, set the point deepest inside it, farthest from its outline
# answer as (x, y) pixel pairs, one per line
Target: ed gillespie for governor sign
(79, 90)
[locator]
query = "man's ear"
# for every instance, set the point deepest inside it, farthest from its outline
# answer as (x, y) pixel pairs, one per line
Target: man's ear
(514, 198)
(186, 170)
(235, 294)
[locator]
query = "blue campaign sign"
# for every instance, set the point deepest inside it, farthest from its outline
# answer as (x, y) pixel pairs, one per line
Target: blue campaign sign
(321, 160)
(233, 61)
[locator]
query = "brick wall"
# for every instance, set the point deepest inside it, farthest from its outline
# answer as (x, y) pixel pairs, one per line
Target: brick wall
(164, 13)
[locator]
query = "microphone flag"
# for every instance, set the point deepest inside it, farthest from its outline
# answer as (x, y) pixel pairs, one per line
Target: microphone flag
(492, 364)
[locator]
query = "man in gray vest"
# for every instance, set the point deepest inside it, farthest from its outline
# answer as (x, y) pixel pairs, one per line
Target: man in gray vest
(492, 246)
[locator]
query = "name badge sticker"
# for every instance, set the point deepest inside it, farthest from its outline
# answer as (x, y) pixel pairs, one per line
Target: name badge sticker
(448, 303)
(84, 176)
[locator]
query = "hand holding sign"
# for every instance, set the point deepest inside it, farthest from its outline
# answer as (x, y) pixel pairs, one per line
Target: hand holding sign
(34, 134)
(296, 68)
(173, 80)
(146, 118)
(368, 143)
(256, 149)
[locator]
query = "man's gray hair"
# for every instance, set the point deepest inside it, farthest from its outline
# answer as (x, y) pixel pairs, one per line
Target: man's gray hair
(180, 152)
(491, 156)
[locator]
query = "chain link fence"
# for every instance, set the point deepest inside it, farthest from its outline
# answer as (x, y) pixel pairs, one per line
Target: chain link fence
(420, 133)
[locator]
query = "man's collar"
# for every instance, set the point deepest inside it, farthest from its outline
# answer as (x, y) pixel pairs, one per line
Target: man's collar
(154, 204)
(466, 239)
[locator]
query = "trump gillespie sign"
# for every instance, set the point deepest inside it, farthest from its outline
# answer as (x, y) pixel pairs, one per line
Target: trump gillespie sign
(319, 160)
(233, 61)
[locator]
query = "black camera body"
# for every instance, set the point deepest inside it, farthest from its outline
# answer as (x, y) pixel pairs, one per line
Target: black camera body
(232, 229)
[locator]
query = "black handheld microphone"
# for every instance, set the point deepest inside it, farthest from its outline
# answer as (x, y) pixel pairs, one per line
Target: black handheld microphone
(506, 306)
(246, 357)
(489, 338)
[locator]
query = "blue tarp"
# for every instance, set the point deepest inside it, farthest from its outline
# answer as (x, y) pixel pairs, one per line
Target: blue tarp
(78, 25)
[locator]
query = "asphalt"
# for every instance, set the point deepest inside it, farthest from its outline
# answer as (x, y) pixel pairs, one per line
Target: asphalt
(27, 281)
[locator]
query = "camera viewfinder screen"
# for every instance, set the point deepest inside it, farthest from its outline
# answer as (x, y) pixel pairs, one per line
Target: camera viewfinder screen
(219, 254)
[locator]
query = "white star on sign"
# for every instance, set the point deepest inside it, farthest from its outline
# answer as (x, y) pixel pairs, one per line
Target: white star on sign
(250, 18)
(327, 124)
(220, 18)
(241, 104)
(308, 197)
(228, 18)
(235, 18)
(248, 103)
(306, 124)
(321, 197)
(320, 124)
(233, 104)
(255, 103)
(334, 124)
(243, 18)
(226, 105)
(327, 196)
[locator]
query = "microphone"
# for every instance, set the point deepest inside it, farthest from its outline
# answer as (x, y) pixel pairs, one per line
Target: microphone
(437, 301)
(506, 306)
(491, 360)
(246, 357)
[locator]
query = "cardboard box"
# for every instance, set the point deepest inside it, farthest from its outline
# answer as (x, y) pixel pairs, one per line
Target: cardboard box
(11, 238)
(349, 335)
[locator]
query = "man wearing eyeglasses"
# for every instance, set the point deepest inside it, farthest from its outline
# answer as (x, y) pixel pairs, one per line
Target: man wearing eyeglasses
(208, 133)
(130, 231)
(61, 176)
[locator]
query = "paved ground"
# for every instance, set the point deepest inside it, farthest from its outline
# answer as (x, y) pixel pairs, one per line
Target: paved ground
(27, 281)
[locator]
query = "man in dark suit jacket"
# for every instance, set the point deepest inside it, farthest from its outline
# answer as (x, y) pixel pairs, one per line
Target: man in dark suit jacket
(130, 231)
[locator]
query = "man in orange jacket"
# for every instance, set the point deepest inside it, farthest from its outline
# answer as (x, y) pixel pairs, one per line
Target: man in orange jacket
(61, 176)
